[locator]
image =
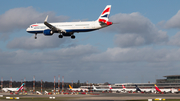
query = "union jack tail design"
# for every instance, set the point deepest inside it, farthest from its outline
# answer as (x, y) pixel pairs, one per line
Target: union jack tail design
(21, 88)
(104, 17)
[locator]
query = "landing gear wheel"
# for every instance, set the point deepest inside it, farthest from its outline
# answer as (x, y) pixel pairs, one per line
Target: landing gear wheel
(35, 36)
(60, 36)
(73, 37)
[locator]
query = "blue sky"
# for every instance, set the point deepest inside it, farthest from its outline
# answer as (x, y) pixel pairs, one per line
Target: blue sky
(144, 45)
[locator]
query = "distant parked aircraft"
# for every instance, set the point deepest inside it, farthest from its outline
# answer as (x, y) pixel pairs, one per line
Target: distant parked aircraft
(117, 89)
(144, 90)
(165, 90)
(37, 92)
(78, 89)
(128, 89)
(95, 89)
(13, 89)
(69, 28)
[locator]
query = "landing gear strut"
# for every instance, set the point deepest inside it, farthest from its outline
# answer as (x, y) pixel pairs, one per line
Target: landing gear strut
(35, 36)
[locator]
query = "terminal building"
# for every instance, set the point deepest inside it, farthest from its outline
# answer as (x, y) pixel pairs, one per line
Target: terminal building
(171, 81)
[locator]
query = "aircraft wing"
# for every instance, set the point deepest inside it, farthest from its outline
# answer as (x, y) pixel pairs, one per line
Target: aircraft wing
(53, 28)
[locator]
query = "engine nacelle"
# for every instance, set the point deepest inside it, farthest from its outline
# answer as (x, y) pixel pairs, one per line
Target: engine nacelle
(48, 32)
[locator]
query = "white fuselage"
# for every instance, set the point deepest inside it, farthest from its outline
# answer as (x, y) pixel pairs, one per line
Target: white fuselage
(79, 89)
(69, 27)
(10, 89)
(169, 90)
(118, 89)
(129, 89)
(148, 90)
(95, 89)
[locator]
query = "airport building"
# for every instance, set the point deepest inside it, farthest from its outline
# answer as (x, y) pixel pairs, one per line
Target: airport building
(132, 85)
(170, 81)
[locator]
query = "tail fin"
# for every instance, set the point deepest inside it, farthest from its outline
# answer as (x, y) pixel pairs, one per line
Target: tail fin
(94, 87)
(70, 87)
(104, 17)
(20, 88)
(157, 89)
(138, 89)
(123, 87)
(110, 87)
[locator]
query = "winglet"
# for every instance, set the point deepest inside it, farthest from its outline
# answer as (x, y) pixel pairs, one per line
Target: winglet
(46, 19)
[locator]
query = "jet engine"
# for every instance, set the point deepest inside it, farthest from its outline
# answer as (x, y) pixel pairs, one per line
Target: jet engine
(48, 32)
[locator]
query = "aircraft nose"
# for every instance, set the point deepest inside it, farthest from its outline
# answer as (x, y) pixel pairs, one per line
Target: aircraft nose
(27, 30)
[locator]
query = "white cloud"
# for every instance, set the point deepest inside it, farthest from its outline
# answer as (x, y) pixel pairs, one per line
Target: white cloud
(135, 55)
(174, 22)
(137, 28)
(174, 40)
(43, 42)
(21, 18)
(127, 40)
(62, 55)
(85, 62)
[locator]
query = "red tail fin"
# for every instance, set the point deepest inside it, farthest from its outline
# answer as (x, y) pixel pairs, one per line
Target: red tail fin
(123, 86)
(157, 89)
(110, 87)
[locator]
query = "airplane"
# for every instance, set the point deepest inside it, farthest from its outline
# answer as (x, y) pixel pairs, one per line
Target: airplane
(39, 93)
(77, 89)
(13, 89)
(46, 92)
(164, 91)
(95, 89)
(144, 90)
(69, 28)
(128, 90)
(117, 89)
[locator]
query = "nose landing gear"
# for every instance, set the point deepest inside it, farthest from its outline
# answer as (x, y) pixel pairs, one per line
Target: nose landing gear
(35, 36)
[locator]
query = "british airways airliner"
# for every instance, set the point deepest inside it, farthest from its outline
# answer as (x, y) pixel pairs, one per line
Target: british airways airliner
(69, 28)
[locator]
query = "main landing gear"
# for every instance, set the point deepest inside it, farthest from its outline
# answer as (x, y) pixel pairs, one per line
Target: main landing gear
(60, 36)
(73, 37)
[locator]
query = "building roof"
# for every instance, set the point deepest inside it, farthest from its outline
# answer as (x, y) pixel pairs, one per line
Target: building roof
(172, 76)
